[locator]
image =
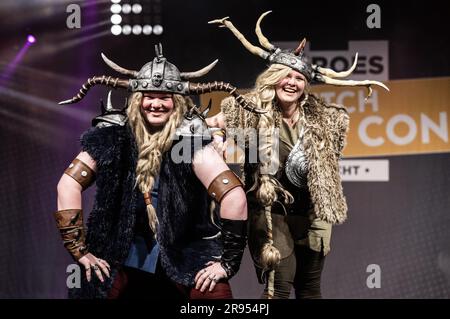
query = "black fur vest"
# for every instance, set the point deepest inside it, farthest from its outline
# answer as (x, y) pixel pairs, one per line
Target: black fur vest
(183, 212)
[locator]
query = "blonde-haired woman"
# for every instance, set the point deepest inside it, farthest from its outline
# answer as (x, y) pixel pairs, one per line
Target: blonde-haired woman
(285, 233)
(151, 233)
(294, 189)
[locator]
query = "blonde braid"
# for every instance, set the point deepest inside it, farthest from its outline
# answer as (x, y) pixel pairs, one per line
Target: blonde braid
(266, 192)
(151, 146)
(268, 187)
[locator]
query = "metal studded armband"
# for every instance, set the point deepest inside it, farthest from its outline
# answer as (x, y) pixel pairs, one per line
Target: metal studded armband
(81, 173)
(222, 184)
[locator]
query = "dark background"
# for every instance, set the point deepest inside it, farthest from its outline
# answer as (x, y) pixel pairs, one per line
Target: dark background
(401, 225)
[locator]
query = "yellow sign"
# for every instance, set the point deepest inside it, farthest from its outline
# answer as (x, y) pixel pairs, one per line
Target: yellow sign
(412, 118)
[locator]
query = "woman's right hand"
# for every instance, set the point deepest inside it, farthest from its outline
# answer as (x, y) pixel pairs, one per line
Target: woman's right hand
(90, 262)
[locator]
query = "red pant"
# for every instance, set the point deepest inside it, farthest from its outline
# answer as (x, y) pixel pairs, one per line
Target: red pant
(131, 283)
(222, 290)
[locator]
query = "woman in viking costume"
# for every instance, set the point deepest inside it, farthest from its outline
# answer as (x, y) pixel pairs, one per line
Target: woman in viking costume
(152, 220)
(294, 192)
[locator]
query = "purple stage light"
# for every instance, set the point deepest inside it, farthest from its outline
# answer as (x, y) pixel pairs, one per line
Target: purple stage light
(31, 39)
(9, 69)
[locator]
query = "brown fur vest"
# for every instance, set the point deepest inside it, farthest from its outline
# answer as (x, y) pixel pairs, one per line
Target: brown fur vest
(325, 131)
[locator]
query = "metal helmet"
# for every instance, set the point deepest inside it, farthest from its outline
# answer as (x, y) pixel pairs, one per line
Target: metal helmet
(295, 59)
(160, 75)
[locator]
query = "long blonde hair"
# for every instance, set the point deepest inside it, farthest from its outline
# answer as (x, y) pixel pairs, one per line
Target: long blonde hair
(151, 146)
(268, 189)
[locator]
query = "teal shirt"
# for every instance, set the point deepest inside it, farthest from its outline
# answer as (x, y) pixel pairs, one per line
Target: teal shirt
(144, 255)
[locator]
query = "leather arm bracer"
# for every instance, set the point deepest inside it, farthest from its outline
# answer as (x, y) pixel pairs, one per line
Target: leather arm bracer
(70, 225)
(234, 236)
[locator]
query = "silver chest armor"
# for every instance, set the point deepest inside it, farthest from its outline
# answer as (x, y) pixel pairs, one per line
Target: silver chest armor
(297, 166)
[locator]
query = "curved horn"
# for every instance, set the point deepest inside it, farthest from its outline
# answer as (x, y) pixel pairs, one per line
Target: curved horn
(199, 73)
(205, 112)
(109, 106)
(300, 47)
(366, 83)
(333, 74)
(118, 68)
(104, 80)
(262, 39)
(253, 49)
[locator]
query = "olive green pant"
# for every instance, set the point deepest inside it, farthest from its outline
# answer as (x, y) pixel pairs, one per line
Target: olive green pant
(303, 242)
(301, 270)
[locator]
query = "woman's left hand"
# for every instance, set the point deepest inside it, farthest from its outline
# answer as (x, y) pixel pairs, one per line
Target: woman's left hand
(209, 276)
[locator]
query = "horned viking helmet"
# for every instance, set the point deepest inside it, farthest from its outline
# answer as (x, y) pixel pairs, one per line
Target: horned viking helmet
(295, 59)
(158, 75)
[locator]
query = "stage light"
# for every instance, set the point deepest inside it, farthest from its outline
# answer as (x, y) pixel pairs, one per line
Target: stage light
(9, 69)
(140, 25)
(116, 19)
(116, 8)
(157, 29)
(137, 29)
(147, 29)
(126, 8)
(116, 29)
(137, 8)
(31, 39)
(126, 29)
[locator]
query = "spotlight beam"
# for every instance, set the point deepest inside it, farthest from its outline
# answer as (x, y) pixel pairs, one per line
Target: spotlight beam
(32, 101)
(5, 76)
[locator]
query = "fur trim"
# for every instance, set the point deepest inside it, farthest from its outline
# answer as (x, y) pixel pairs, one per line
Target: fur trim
(324, 139)
(236, 116)
(110, 226)
(326, 127)
(184, 221)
